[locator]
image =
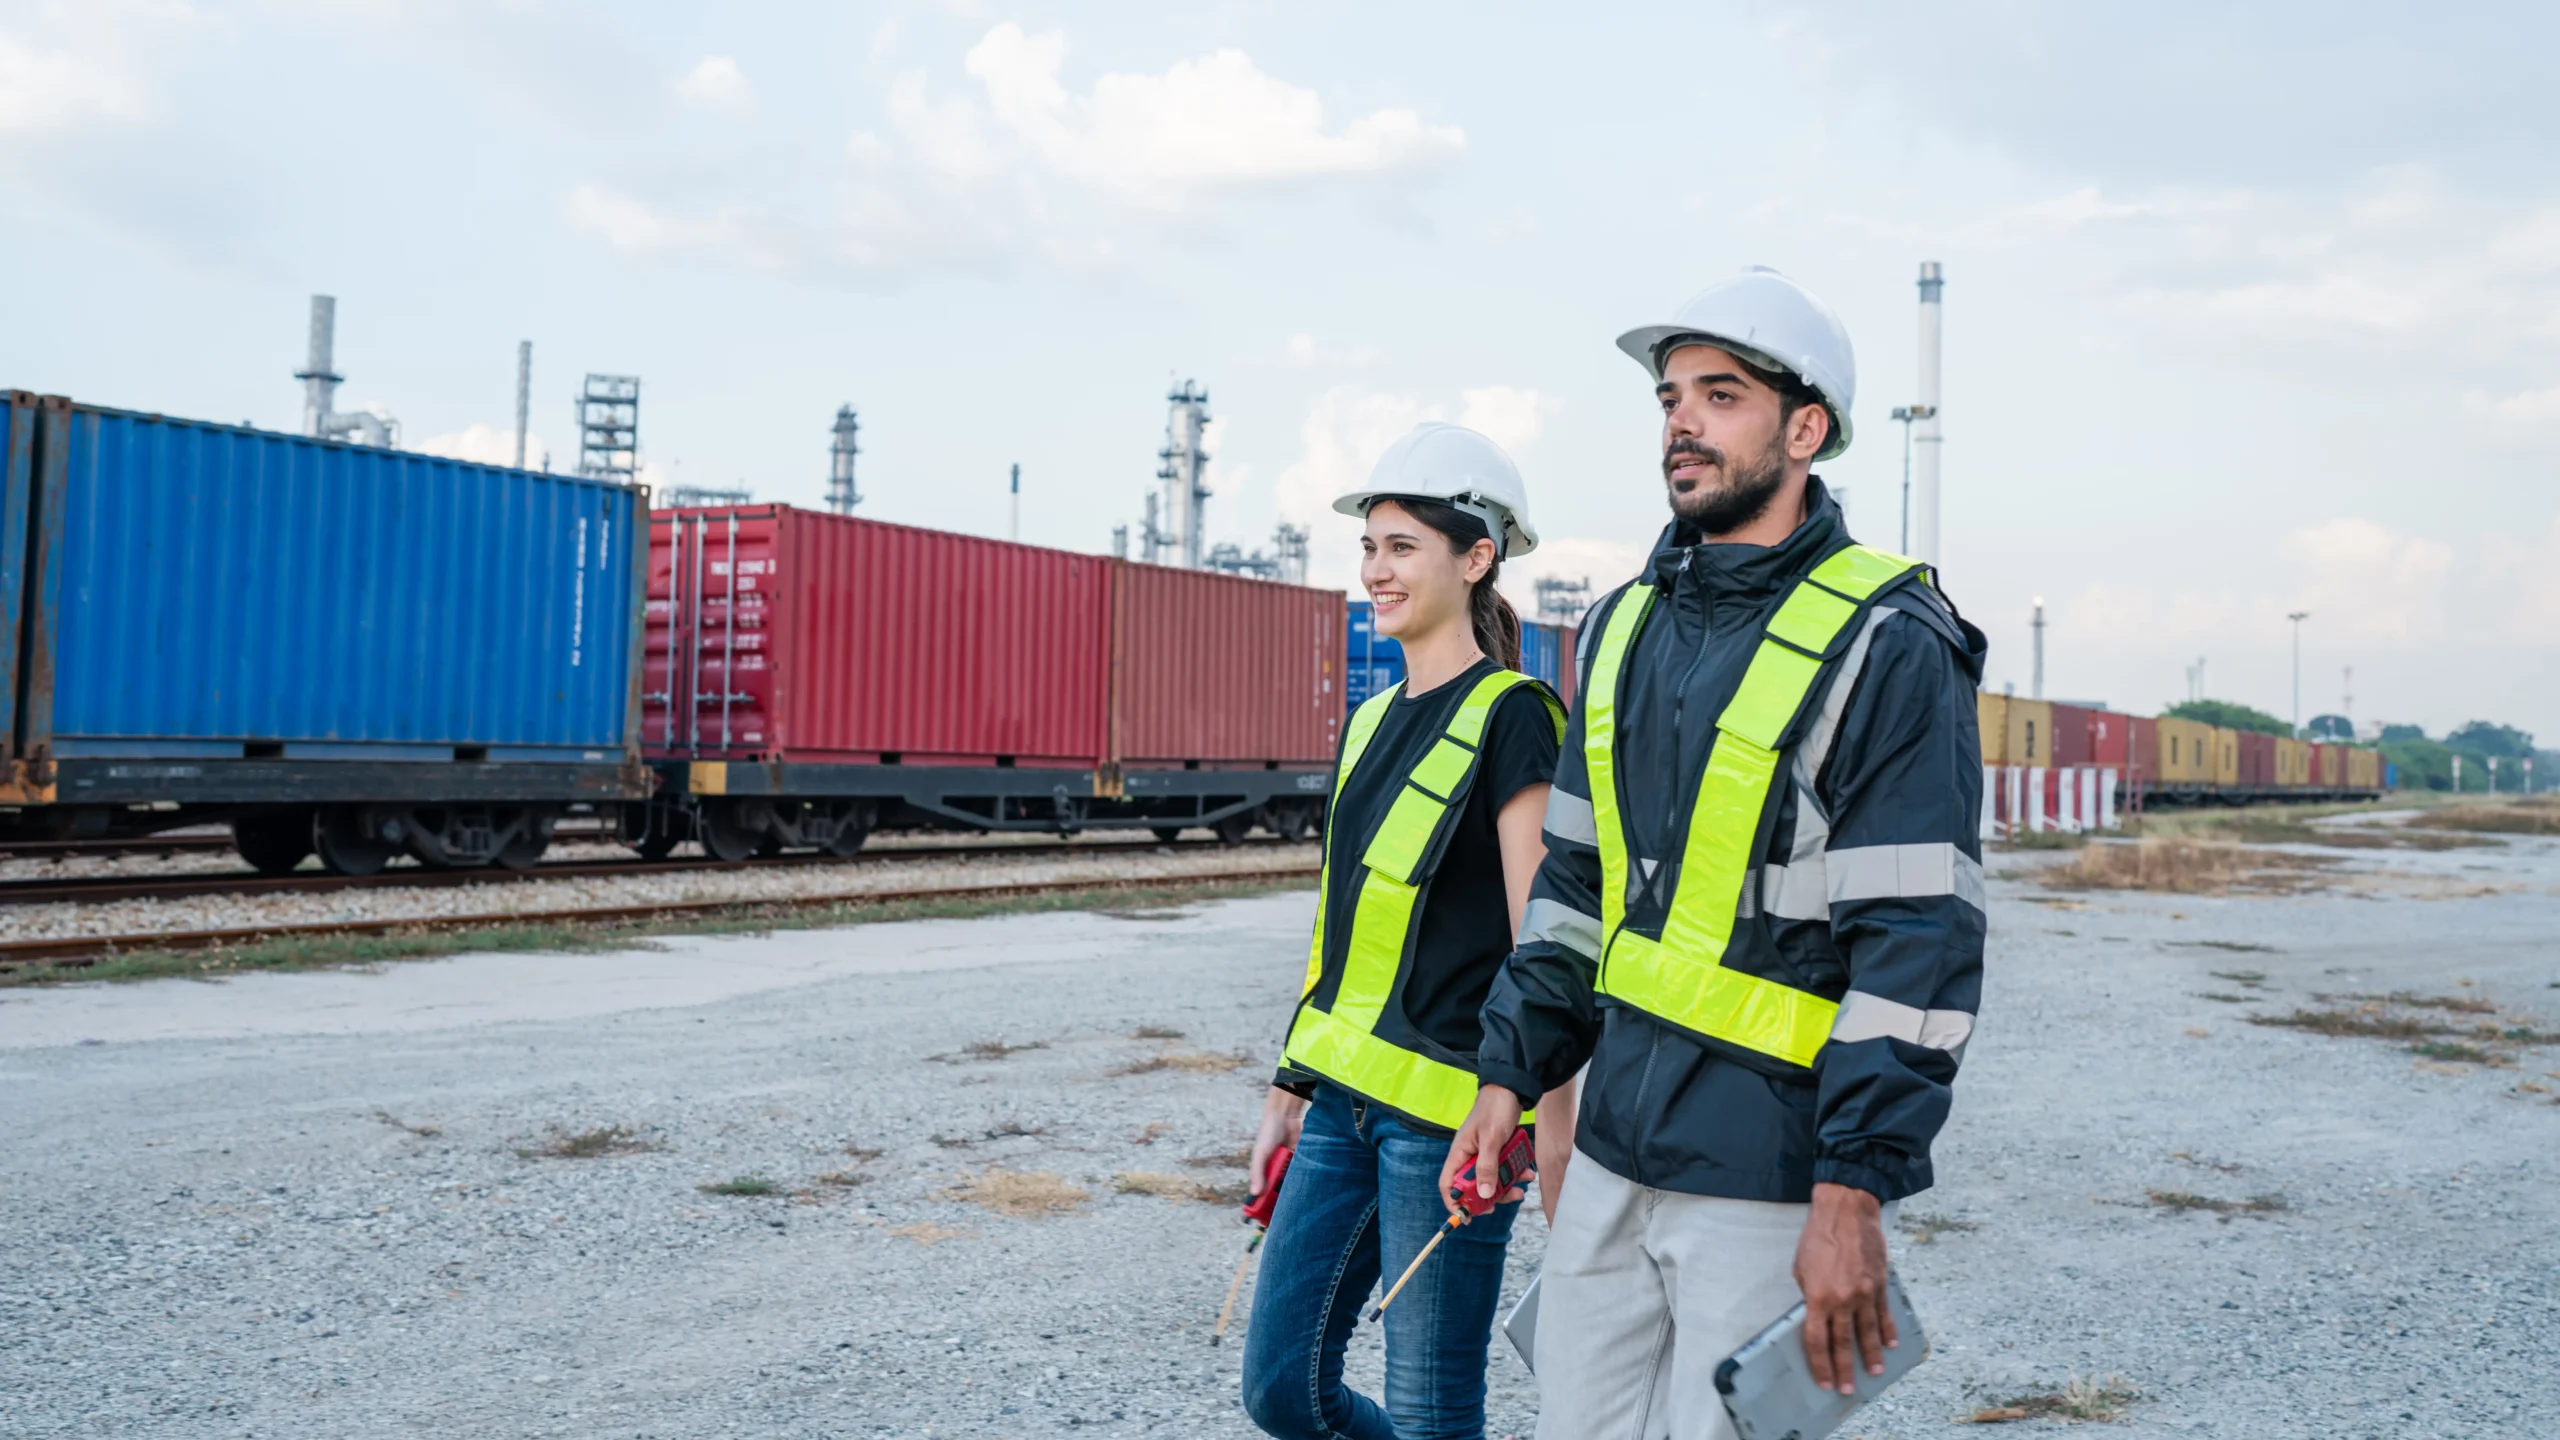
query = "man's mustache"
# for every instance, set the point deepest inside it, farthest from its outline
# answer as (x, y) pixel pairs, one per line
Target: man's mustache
(1679, 451)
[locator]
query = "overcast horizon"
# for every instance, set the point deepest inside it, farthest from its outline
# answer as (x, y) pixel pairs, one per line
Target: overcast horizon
(2246, 313)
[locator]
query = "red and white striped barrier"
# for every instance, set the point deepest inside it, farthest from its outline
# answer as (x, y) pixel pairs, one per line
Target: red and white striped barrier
(2032, 799)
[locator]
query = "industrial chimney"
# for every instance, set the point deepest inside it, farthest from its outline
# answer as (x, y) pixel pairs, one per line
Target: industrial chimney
(1924, 465)
(320, 381)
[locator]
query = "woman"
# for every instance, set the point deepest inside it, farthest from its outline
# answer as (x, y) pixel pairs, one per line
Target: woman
(1430, 845)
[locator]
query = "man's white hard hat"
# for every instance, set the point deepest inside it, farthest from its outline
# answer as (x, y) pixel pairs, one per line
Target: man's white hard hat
(1457, 467)
(1774, 323)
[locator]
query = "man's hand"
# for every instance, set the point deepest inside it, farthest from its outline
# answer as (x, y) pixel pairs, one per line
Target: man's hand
(1487, 1129)
(1840, 1267)
(1283, 1114)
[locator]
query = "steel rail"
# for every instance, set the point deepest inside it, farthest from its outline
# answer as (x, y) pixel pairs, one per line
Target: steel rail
(101, 889)
(85, 949)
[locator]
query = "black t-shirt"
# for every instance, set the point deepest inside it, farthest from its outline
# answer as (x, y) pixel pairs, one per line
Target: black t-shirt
(1465, 929)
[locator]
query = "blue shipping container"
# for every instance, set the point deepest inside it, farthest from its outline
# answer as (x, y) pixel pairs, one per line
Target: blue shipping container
(17, 479)
(1378, 662)
(217, 592)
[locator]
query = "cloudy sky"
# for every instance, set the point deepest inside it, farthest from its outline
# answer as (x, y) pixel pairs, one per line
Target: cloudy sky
(2249, 309)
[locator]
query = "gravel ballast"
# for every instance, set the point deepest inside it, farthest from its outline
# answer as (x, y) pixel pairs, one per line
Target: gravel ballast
(481, 1196)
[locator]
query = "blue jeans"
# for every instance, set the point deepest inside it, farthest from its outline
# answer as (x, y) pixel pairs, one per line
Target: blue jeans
(1363, 1194)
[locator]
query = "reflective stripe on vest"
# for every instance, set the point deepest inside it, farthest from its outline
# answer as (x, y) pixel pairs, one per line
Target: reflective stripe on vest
(1681, 976)
(1341, 1044)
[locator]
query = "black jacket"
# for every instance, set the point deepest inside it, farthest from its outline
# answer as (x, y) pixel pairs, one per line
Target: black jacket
(1868, 891)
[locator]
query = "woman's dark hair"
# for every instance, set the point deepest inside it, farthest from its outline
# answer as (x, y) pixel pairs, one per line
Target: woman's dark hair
(1497, 626)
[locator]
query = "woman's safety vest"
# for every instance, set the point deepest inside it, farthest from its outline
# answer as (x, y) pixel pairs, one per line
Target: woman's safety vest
(1680, 975)
(1341, 1043)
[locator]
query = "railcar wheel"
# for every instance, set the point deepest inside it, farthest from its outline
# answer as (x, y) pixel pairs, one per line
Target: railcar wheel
(274, 842)
(852, 829)
(723, 837)
(1233, 829)
(1294, 822)
(345, 838)
(1167, 834)
(526, 850)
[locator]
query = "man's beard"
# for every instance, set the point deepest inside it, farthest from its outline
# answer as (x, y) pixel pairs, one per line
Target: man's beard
(1742, 498)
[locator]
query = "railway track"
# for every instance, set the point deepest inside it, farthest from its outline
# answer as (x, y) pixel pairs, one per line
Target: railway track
(99, 889)
(75, 951)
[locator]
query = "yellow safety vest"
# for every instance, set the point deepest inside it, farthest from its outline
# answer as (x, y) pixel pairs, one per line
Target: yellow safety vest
(1679, 975)
(1341, 1043)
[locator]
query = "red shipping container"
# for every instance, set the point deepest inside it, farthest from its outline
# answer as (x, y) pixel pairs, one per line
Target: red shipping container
(2071, 727)
(1224, 672)
(1568, 640)
(2110, 737)
(2329, 766)
(806, 636)
(2257, 760)
(2142, 747)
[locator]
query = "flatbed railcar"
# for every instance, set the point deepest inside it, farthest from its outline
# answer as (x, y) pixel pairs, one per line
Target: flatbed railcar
(337, 648)
(811, 678)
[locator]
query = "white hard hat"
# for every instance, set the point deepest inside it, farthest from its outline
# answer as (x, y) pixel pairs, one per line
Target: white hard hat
(1774, 323)
(1456, 467)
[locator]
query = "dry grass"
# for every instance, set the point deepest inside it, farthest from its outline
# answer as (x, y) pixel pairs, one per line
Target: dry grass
(1223, 1160)
(2183, 1202)
(1154, 1032)
(1190, 1062)
(1925, 1229)
(2369, 1022)
(2082, 1399)
(987, 1050)
(741, 1185)
(2537, 816)
(1178, 1187)
(2183, 867)
(423, 1132)
(928, 1233)
(1025, 1194)
(844, 1178)
(588, 1145)
(2455, 1050)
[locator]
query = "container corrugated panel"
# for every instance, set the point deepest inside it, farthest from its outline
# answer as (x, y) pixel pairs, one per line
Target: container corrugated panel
(2364, 769)
(1223, 670)
(2071, 739)
(17, 487)
(204, 588)
(2142, 746)
(2110, 736)
(2257, 760)
(2293, 762)
(1991, 714)
(1540, 650)
(810, 637)
(2185, 751)
(2030, 732)
(2226, 757)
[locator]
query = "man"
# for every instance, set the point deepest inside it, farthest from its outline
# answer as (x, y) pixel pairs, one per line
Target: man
(1759, 919)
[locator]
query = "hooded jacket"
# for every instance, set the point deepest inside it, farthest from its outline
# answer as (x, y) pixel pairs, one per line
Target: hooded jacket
(1867, 891)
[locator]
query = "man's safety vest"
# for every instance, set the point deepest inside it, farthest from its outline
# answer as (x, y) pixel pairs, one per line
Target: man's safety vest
(1341, 1043)
(1679, 976)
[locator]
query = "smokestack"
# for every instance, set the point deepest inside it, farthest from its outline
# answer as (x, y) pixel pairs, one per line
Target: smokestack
(524, 395)
(1924, 476)
(2037, 693)
(318, 374)
(841, 495)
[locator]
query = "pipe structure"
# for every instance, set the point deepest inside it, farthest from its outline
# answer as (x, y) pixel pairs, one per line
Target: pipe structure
(2036, 690)
(524, 396)
(320, 380)
(842, 497)
(1925, 438)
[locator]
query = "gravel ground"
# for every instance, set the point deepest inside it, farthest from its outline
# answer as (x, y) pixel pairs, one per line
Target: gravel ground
(643, 887)
(301, 1204)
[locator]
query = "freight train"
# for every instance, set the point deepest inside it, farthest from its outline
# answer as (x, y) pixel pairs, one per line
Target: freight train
(360, 653)
(2050, 765)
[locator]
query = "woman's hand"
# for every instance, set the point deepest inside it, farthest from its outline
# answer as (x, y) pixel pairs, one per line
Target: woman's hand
(1282, 1116)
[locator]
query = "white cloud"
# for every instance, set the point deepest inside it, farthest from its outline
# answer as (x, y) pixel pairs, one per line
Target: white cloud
(66, 65)
(1509, 415)
(716, 83)
(2525, 408)
(1171, 140)
(486, 445)
(1304, 353)
(2370, 584)
(1014, 163)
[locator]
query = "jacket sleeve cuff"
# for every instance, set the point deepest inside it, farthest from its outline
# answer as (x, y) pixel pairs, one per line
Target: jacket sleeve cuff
(1519, 1082)
(1831, 1170)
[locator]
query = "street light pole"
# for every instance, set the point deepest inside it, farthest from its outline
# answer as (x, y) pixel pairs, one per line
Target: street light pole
(1906, 414)
(2297, 617)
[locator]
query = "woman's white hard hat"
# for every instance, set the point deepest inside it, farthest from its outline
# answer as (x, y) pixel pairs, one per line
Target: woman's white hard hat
(1774, 323)
(1456, 467)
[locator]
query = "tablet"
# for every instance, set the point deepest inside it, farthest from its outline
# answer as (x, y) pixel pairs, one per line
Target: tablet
(1767, 1385)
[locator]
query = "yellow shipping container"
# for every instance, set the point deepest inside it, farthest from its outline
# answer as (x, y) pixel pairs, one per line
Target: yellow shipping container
(2293, 762)
(2184, 752)
(2364, 769)
(1992, 713)
(2226, 757)
(2030, 732)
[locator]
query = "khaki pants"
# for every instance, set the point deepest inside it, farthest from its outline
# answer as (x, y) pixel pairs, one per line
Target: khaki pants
(1644, 1293)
